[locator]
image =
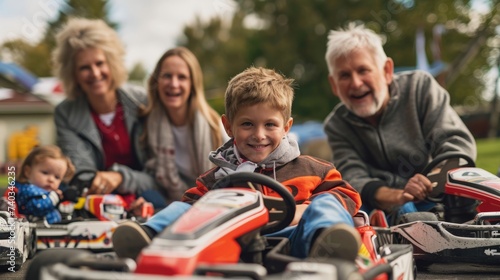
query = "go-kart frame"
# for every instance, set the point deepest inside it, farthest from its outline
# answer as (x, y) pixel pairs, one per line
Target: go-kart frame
(438, 242)
(159, 262)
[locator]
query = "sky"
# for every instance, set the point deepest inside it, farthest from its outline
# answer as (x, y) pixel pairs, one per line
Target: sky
(147, 27)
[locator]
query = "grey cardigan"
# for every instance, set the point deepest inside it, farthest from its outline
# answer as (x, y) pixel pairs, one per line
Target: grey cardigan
(79, 138)
(417, 125)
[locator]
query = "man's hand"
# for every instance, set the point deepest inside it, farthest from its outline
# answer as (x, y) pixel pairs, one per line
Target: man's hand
(418, 188)
(105, 182)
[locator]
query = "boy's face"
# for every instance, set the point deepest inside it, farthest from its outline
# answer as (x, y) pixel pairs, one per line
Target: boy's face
(47, 174)
(257, 130)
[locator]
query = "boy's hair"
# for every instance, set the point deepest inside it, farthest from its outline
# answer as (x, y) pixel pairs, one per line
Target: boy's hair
(342, 42)
(80, 34)
(40, 153)
(259, 85)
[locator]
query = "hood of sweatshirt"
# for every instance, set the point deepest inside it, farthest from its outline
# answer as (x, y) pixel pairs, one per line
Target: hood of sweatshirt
(228, 159)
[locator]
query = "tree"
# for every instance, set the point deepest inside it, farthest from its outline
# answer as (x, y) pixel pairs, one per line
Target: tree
(290, 36)
(138, 73)
(36, 57)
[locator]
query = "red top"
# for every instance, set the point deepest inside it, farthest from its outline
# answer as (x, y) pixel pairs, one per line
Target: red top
(115, 140)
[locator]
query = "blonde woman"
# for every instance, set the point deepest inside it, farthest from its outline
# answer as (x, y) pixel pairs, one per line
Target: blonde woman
(181, 127)
(98, 125)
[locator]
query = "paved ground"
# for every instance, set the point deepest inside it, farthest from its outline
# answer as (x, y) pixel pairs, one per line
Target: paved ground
(450, 272)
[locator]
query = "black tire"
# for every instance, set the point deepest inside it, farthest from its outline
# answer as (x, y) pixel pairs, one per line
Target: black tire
(52, 256)
(423, 265)
(32, 242)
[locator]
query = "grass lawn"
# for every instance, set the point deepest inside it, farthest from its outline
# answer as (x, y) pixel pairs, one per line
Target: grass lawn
(488, 154)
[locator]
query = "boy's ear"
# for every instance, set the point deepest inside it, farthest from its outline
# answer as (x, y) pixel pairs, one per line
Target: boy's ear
(288, 125)
(227, 125)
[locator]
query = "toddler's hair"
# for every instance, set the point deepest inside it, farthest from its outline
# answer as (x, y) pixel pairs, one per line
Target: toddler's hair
(38, 154)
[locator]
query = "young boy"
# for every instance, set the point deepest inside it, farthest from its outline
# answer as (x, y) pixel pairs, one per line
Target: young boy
(258, 106)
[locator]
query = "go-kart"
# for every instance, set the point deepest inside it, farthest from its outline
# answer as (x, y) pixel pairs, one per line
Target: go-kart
(223, 235)
(17, 241)
(88, 221)
(436, 241)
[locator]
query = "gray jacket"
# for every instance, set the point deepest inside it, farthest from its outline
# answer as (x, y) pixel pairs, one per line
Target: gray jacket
(79, 138)
(417, 125)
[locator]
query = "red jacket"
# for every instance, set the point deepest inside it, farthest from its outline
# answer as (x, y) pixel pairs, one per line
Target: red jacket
(305, 177)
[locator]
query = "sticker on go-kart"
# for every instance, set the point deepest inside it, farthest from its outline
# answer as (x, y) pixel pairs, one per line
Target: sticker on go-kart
(94, 235)
(211, 209)
(491, 252)
(475, 175)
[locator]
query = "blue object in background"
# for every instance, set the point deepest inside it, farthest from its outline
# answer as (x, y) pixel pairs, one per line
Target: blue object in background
(307, 131)
(18, 76)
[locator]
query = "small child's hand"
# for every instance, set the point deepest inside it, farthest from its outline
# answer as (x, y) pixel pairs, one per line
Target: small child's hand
(136, 206)
(59, 193)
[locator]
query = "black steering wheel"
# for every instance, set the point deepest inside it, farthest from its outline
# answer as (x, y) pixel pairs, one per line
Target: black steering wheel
(281, 210)
(81, 182)
(450, 161)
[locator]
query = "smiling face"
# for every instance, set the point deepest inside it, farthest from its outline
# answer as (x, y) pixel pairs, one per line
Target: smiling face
(257, 130)
(174, 85)
(47, 174)
(361, 84)
(93, 73)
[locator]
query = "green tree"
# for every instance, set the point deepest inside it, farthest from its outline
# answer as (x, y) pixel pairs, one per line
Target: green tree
(290, 36)
(37, 57)
(138, 73)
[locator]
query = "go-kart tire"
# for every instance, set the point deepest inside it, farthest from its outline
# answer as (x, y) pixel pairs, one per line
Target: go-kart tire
(32, 243)
(423, 265)
(52, 256)
(417, 216)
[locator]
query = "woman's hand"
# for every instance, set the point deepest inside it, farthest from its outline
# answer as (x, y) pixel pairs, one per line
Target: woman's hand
(105, 182)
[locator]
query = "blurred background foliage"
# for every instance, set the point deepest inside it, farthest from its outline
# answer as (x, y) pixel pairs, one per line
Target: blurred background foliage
(290, 36)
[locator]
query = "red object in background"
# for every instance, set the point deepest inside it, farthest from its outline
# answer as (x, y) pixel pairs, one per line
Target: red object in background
(108, 207)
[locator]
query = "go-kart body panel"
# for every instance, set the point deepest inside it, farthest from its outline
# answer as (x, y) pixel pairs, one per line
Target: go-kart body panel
(92, 235)
(448, 242)
(15, 241)
(476, 183)
(90, 224)
(207, 233)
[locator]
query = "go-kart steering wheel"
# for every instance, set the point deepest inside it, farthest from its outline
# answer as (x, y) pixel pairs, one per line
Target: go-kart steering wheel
(452, 160)
(281, 210)
(81, 181)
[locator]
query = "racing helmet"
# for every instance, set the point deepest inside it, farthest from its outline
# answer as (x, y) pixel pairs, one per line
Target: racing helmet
(108, 207)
